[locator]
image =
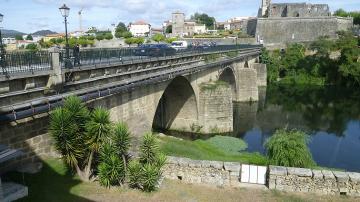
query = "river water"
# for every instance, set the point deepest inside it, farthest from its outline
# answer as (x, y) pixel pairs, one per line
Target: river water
(331, 116)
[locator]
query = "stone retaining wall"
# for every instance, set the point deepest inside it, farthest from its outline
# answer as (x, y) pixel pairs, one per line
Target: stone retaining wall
(315, 181)
(228, 174)
(215, 173)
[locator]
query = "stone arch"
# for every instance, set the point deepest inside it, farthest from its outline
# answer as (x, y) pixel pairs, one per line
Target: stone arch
(228, 76)
(177, 107)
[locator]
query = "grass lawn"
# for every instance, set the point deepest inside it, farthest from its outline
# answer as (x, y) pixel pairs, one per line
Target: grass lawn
(206, 150)
(55, 184)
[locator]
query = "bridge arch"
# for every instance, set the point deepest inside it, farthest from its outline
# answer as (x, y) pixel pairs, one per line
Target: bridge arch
(228, 76)
(177, 108)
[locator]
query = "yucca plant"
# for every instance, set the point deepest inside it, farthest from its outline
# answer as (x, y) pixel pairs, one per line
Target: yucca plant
(111, 171)
(149, 149)
(135, 176)
(121, 139)
(64, 131)
(289, 148)
(79, 134)
(150, 177)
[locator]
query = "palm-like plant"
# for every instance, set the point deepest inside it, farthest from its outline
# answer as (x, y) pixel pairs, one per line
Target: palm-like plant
(98, 129)
(150, 177)
(135, 177)
(122, 140)
(111, 171)
(149, 149)
(65, 131)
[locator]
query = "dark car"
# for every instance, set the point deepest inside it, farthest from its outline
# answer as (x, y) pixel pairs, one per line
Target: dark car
(154, 50)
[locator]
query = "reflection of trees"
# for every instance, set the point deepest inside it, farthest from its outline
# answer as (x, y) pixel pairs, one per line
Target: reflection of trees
(328, 109)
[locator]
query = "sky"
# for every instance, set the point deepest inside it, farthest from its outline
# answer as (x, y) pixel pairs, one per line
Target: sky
(32, 15)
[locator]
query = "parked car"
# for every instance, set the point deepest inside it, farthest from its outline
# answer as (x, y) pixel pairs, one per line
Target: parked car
(154, 50)
(179, 45)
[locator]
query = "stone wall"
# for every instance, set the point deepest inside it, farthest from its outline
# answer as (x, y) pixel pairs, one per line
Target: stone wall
(215, 173)
(314, 181)
(293, 29)
(216, 108)
(298, 10)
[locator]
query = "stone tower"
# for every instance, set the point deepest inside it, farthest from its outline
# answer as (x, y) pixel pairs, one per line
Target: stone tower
(264, 8)
(178, 21)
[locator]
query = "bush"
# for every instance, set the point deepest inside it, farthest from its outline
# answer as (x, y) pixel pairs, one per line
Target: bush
(146, 173)
(111, 169)
(289, 148)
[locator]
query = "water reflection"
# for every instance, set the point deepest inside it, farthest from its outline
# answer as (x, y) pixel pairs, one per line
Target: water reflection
(330, 115)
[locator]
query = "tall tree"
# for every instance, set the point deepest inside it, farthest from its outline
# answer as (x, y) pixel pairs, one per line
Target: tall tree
(29, 37)
(158, 38)
(203, 18)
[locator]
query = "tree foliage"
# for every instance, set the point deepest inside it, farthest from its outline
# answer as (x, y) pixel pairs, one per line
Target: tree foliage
(168, 29)
(158, 38)
(203, 18)
(19, 38)
(29, 37)
(289, 148)
(355, 14)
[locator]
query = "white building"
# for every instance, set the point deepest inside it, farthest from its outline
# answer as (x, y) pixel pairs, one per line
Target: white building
(8, 40)
(200, 29)
(139, 28)
(77, 34)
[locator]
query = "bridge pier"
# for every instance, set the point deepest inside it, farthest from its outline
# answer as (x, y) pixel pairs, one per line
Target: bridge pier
(261, 73)
(215, 108)
(247, 85)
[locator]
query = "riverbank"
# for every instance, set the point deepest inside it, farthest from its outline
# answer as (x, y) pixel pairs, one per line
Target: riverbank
(69, 188)
(208, 150)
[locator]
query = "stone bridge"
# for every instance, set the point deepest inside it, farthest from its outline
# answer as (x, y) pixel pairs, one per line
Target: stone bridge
(187, 92)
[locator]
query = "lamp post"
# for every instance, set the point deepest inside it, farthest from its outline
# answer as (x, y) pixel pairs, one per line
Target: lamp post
(64, 10)
(2, 49)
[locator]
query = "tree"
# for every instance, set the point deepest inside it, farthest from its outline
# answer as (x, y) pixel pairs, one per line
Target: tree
(32, 47)
(29, 37)
(204, 19)
(139, 40)
(168, 29)
(158, 38)
(289, 148)
(170, 40)
(108, 36)
(121, 27)
(126, 34)
(354, 14)
(129, 41)
(79, 134)
(19, 38)
(99, 37)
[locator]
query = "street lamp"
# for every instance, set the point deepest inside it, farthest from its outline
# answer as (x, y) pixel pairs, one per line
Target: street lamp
(64, 10)
(2, 49)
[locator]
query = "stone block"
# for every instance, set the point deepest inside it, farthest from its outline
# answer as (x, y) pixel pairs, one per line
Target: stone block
(216, 164)
(328, 175)
(317, 174)
(194, 164)
(301, 172)
(354, 177)
(341, 176)
(183, 161)
(278, 170)
(232, 166)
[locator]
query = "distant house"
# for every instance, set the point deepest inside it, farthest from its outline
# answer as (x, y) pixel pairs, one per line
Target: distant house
(156, 31)
(182, 27)
(77, 34)
(23, 43)
(139, 28)
(8, 40)
(53, 36)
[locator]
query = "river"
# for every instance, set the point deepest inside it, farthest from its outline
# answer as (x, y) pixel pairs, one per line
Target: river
(331, 116)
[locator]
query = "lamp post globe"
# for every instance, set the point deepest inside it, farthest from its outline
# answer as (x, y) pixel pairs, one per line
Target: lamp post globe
(64, 10)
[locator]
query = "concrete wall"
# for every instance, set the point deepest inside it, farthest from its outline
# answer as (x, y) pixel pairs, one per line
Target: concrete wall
(292, 29)
(314, 181)
(224, 41)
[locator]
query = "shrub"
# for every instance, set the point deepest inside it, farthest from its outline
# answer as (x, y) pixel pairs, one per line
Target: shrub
(135, 174)
(121, 139)
(111, 171)
(289, 148)
(146, 173)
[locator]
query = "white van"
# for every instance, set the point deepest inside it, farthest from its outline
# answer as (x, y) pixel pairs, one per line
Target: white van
(179, 45)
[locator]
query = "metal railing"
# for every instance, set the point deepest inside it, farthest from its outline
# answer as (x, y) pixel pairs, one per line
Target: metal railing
(124, 55)
(27, 61)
